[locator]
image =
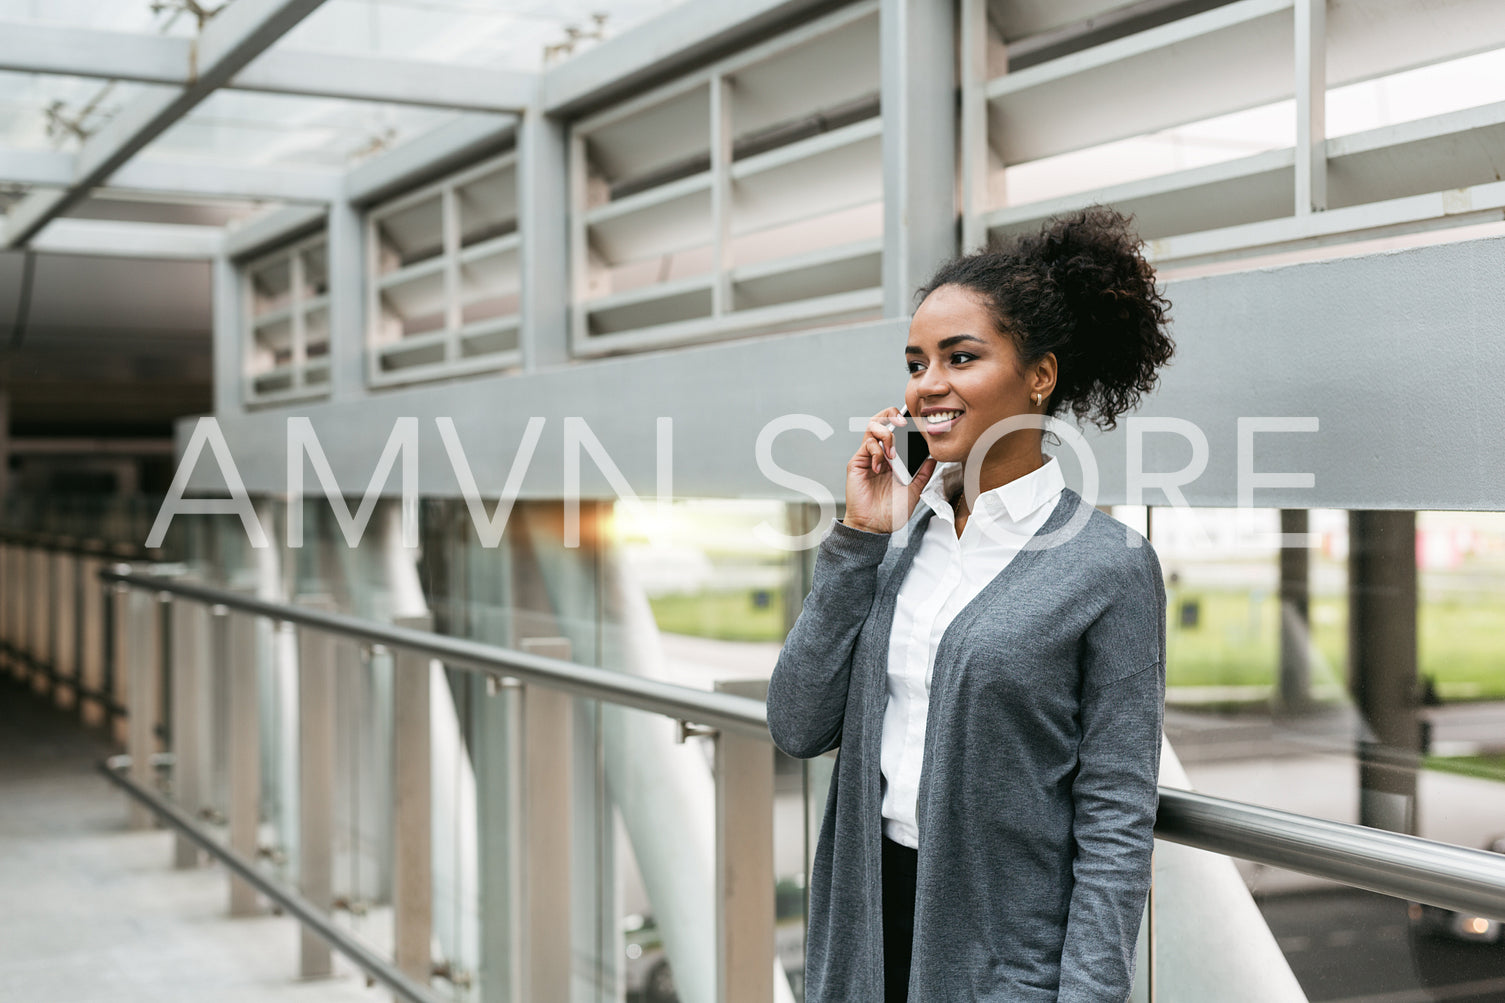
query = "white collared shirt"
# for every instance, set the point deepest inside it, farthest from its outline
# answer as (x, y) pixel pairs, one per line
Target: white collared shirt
(948, 572)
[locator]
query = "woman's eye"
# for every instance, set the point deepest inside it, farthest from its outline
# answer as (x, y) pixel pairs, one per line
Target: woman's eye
(913, 367)
(957, 358)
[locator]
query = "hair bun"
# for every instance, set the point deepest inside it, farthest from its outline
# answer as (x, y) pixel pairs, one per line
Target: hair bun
(1080, 288)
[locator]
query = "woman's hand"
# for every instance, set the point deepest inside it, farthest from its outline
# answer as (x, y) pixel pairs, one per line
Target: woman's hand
(876, 501)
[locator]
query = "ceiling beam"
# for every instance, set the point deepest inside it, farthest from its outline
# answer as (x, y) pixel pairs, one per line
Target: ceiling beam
(28, 47)
(664, 46)
(215, 179)
(396, 81)
(35, 167)
(238, 34)
(116, 239)
(172, 176)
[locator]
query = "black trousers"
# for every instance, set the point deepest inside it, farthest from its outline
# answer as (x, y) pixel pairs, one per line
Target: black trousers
(899, 866)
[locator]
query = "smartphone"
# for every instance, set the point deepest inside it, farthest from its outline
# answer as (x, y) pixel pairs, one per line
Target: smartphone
(912, 448)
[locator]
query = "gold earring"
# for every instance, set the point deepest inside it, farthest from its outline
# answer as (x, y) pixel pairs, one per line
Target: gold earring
(1037, 398)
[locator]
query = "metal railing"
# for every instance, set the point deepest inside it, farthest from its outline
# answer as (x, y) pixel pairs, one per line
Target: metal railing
(1407, 867)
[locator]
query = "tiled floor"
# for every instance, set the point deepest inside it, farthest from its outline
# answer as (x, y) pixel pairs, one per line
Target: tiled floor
(93, 911)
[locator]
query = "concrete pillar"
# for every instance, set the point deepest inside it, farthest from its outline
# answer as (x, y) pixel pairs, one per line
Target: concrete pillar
(1294, 694)
(1382, 663)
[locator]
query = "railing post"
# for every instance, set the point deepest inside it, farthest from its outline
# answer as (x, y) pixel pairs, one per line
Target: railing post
(7, 602)
(41, 624)
(244, 809)
(546, 765)
(142, 644)
(120, 667)
(24, 599)
(190, 729)
(744, 863)
(316, 731)
(59, 642)
(92, 707)
(412, 810)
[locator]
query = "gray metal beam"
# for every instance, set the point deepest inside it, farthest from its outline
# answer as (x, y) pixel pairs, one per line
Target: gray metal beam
(397, 81)
(544, 210)
(347, 301)
(161, 175)
(424, 157)
(30, 47)
(36, 167)
(1349, 315)
(118, 239)
(691, 34)
(918, 51)
(1311, 106)
(37, 47)
(238, 34)
(261, 232)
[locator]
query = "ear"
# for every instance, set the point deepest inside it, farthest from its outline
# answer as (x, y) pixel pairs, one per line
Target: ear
(1043, 375)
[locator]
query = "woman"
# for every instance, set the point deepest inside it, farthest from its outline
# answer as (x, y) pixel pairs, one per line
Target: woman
(995, 675)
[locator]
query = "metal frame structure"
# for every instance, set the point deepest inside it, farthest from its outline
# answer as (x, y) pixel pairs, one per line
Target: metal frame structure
(1220, 59)
(1035, 82)
(1403, 866)
(432, 253)
(291, 323)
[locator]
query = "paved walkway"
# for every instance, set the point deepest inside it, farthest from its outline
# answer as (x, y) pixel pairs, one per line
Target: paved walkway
(93, 912)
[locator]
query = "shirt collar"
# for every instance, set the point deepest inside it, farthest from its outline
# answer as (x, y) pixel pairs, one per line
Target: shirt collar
(1015, 500)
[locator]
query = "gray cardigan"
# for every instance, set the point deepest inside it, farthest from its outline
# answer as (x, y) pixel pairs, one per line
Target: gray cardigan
(1037, 795)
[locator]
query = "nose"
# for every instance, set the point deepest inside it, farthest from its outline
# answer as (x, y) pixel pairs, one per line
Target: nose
(930, 384)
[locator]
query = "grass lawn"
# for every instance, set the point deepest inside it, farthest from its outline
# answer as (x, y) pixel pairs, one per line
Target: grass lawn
(727, 616)
(1235, 641)
(1485, 767)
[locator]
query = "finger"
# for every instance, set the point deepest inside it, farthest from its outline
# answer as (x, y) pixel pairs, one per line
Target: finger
(921, 478)
(884, 435)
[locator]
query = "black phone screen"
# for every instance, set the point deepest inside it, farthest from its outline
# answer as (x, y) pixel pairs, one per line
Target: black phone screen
(913, 447)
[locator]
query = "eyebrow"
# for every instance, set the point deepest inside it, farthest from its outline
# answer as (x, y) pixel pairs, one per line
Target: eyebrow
(946, 343)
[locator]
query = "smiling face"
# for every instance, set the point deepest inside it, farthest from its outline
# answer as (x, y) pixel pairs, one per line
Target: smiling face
(964, 376)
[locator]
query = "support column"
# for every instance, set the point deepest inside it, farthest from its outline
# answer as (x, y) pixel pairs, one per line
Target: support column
(1295, 618)
(229, 349)
(412, 823)
(917, 46)
(1382, 663)
(347, 302)
(980, 181)
(1311, 105)
(543, 200)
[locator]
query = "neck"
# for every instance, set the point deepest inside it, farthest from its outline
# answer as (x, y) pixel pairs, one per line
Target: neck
(998, 471)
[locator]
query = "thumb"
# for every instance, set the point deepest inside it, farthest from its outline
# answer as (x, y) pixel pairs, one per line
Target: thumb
(920, 479)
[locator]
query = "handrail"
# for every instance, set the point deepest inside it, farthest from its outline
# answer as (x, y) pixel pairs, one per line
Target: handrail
(1391, 863)
(307, 913)
(717, 710)
(1403, 866)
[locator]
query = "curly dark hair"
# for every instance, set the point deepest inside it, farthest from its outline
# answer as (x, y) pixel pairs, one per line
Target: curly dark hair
(1082, 289)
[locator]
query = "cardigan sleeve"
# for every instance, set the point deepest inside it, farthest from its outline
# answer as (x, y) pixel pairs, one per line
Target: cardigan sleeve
(1115, 788)
(807, 694)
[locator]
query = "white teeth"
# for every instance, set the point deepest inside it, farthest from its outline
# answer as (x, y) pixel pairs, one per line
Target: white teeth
(941, 417)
